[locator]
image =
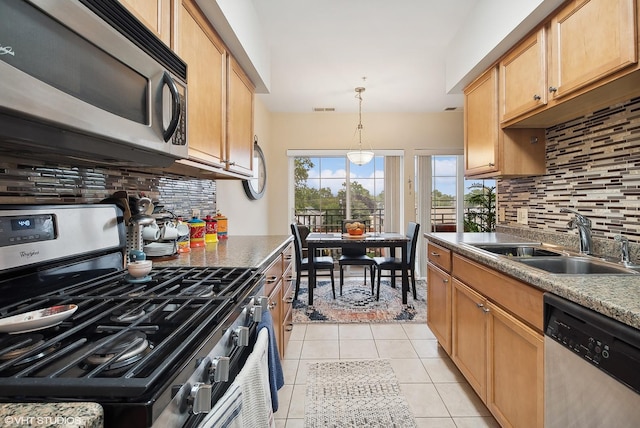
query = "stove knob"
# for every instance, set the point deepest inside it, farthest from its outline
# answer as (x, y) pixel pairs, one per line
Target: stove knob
(256, 313)
(241, 336)
(262, 301)
(218, 370)
(200, 398)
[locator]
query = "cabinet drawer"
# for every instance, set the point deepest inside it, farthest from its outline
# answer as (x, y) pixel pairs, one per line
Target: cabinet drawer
(273, 275)
(289, 254)
(287, 285)
(518, 298)
(439, 256)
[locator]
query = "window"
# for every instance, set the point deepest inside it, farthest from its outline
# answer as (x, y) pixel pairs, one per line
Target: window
(328, 189)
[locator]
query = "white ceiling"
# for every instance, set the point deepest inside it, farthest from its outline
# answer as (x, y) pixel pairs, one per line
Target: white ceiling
(321, 50)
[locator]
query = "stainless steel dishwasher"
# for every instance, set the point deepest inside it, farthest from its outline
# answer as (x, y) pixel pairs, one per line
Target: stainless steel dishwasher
(592, 368)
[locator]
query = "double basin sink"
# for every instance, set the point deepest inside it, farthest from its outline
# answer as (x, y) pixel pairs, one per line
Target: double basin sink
(557, 261)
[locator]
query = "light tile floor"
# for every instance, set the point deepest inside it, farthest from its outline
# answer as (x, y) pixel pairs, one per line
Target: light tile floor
(437, 393)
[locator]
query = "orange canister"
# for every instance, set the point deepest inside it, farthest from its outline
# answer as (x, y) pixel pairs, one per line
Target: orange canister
(222, 225)
(196, 232)
(211, 229)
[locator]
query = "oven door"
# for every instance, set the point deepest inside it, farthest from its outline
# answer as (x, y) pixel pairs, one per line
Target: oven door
(65, 68)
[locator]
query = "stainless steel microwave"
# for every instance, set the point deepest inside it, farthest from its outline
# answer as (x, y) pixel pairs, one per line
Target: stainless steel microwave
(85, 80)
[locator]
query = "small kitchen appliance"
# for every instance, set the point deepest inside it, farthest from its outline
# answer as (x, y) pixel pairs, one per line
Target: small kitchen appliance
(157, 350)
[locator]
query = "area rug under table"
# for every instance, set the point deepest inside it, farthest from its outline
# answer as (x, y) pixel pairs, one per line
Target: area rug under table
(355, 393)
(358, 305)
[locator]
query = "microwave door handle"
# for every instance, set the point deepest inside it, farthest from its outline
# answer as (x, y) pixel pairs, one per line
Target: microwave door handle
(175, 106)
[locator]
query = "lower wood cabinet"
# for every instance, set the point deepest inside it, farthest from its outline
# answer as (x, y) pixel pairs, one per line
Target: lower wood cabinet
(439, 305)
(515, 371)
(279, 291)
(491, 326)
(469, 336)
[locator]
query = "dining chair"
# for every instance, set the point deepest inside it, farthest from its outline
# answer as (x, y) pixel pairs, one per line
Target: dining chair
(355, 255)
(395, 263)
(302, 263)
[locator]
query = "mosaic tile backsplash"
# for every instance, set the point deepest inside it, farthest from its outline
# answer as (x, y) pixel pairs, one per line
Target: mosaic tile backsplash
(36, 182)
(593, 166)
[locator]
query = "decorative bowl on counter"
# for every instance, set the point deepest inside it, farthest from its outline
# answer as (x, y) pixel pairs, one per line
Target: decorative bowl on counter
(139, 268)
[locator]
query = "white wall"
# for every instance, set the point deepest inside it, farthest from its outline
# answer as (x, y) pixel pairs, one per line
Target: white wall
(384, 131)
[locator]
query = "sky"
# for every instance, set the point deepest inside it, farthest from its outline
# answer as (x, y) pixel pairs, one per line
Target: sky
(334, 171)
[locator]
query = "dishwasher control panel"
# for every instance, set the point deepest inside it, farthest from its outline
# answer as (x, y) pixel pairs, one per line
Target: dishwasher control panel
(610, 345)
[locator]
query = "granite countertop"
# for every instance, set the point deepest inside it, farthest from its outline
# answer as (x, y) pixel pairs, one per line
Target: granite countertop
(51, 415)
(235, 251)
(617, 296)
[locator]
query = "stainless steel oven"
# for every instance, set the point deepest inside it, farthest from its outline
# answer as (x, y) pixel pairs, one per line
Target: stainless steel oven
(85, 79)
(592, 368)
(74, 326)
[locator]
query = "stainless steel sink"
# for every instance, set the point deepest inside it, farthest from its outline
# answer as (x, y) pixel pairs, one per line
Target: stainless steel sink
(517, 250)
(574, 265)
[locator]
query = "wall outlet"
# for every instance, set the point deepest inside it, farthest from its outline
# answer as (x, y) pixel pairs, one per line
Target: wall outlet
(502, 215)
(523, 216)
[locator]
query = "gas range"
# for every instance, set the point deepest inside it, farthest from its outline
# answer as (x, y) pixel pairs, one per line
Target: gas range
(150, 350)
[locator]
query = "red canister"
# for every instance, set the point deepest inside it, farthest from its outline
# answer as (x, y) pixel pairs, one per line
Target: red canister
(196, 232)
(211, 229)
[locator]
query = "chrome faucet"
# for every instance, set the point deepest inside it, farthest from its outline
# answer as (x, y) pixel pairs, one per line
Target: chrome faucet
(583, 225)
(624, 249)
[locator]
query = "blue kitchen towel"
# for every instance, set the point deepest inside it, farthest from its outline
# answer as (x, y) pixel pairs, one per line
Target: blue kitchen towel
(276, 377)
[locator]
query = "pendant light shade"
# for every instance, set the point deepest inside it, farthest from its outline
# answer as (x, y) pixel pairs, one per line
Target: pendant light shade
(360, 157)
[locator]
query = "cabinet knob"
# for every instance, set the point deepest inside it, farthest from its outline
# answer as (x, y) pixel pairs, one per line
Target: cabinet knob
(553, 89)
(434, 254)
(537, 97)
(445, 280)
(485, 310)
(492, 164)
(272, 279)
(480, 305)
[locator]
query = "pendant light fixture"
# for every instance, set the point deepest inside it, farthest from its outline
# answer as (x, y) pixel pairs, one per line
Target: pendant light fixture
(360, 157)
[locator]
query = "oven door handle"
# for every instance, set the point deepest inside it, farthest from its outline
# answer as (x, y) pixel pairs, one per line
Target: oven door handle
(175, 106)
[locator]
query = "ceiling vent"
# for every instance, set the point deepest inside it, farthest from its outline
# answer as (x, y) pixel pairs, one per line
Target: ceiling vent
(450, 108)
(324, 109)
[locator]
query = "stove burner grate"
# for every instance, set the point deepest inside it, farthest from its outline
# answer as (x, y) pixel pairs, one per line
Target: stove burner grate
(116, 352)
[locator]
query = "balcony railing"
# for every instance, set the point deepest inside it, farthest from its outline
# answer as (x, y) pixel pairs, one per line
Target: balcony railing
(330, 220)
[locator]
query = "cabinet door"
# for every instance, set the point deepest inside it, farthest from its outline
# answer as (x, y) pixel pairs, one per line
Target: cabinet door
(275, 307)
(523, 77)
(204, 53)
(481, 124)
(154, 14)
(239, 120)
(287, 308)
(439, 305)
(515, 386)
(469, 336)
(591, 40)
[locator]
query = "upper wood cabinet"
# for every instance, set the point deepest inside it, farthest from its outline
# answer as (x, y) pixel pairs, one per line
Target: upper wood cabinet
(239, 120)
(154, 14)
(220, 99)
(523, 77)
(206, 58)
(481, 124)
(491, 151)
(585, 56)
(591, 39)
